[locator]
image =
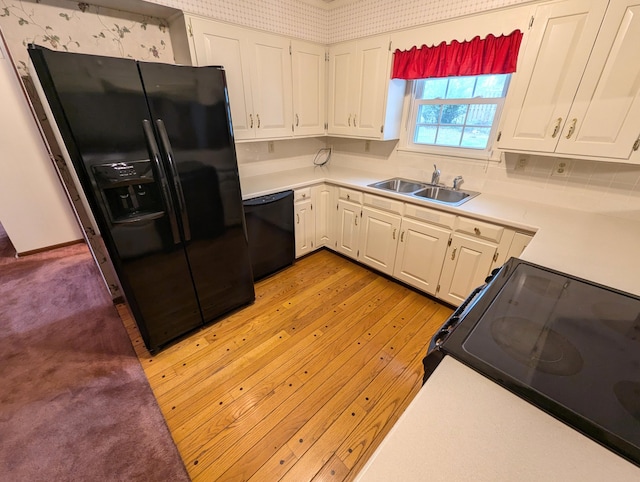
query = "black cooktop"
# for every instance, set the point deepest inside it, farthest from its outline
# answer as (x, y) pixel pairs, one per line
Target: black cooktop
(567, 345)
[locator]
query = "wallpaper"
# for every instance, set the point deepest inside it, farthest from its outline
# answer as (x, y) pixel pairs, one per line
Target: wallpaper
(355, 19)
(81, 27)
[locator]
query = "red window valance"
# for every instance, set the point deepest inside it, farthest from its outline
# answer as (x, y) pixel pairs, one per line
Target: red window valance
(490, 55)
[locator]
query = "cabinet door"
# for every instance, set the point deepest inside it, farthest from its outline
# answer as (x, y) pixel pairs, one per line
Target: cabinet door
(271, 87)
(342, 60)
(421, 251)
(308, 68)
(304, 227)
(348, 228)
(369, 86)
(220, 44)
(605, 115)
(324, 208)
(466, 265)
(379, 236)
(549, 72)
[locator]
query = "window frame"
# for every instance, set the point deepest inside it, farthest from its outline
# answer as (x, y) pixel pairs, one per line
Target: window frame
(413, 104)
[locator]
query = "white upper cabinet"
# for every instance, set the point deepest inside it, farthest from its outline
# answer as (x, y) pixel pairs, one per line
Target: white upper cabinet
(605, 116)
(363, 100)
(271, 85)
(309, 85)
(222, 45)
(577, 89)
(276, 85)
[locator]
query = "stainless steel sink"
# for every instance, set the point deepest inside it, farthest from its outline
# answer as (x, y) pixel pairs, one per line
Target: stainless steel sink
(430, 192)
(399, 185)
(445, 195)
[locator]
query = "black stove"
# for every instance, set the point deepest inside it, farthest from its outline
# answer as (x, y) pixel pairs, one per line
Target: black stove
(567, 345)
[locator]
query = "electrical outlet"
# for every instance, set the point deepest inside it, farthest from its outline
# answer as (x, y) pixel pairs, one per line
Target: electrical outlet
(270, 147)
(367, 146)
(521, 163)
(560, 169)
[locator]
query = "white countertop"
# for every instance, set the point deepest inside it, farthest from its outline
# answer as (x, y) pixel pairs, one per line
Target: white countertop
(462, 426)
(593, 246)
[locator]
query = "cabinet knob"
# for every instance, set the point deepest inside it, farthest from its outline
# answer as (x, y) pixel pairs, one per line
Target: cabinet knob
(477, 231)
(304, 194)
(348, 196)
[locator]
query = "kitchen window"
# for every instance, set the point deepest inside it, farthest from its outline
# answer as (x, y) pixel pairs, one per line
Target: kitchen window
(460, 113)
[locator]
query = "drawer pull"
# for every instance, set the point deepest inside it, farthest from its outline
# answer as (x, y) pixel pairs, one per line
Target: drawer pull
(556, 128)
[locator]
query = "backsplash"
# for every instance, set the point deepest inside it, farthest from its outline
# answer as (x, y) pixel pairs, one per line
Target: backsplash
(81, 27)
(605, 187)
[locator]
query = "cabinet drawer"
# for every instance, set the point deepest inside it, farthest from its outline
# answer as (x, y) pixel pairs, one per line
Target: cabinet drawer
(383, 203)
(479, 229)
(350, 195)
(430, 215)
(302, 194)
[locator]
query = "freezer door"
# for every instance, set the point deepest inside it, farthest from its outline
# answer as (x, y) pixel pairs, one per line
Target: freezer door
(100, 108)
(190, 111)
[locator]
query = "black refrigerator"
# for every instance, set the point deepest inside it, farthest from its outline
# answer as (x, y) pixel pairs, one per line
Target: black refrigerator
(153, 148)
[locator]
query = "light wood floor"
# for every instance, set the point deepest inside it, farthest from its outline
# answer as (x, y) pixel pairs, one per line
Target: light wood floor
(303, 384)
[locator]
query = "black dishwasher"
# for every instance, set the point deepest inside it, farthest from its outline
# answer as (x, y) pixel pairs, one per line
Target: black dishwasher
(270, 229)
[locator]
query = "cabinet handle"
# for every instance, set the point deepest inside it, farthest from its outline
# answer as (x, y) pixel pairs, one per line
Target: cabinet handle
(572, 128)
(636, 144)
(356, 218)
(251, 121)
(402, 237)
(354, 121)
(297, 120)
(394, 233)
(297, 218)
(453, 255)
(557, 127)
(258, 117)
(349, 121)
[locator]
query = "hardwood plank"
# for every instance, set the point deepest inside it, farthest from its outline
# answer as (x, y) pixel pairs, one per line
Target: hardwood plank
(301, 385)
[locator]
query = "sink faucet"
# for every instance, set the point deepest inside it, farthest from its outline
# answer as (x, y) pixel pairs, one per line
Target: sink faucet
(456, 182)
(435, 176)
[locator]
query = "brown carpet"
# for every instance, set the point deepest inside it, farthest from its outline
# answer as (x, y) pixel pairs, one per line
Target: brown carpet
(74, 400)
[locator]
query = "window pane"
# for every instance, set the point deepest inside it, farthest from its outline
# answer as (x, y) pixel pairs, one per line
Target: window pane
(425, 135)
(461, 87)
(449, 136)
(429, 114)
(475, 137)
(454, 113)
(489, 86)
(481, 114)
(432, 89)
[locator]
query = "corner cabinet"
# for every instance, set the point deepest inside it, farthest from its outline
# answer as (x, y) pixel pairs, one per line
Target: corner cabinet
(577, 90)
(363, 100)
(276, 85)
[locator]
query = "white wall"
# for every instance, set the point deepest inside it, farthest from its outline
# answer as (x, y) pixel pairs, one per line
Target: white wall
(34, 209)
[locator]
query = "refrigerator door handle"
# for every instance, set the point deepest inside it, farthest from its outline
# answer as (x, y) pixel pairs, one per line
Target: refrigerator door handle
(164, 138)
(164, 186)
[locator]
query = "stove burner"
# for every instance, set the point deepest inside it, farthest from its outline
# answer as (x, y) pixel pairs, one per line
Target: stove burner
(628, 394)
(536, 346)
(547, 287)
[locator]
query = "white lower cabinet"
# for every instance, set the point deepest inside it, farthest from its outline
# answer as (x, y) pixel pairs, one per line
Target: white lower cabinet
(348, 228)
(466, 265)
(324, 207)
(304, 219)
(420, 254)
(379, 234)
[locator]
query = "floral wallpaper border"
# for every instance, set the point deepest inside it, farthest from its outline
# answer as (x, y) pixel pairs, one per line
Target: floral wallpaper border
(82, 27)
